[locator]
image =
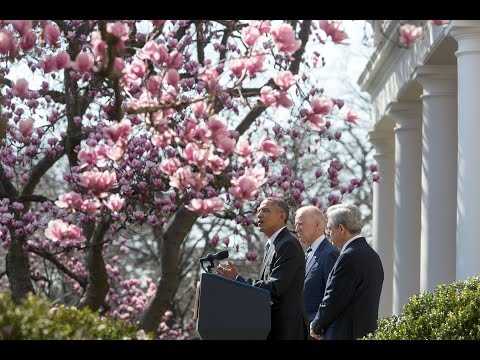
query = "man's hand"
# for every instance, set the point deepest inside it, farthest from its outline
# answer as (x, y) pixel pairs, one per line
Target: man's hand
(229, 271)
(315, 336)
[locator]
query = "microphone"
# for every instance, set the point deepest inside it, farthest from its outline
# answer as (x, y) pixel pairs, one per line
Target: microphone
(217, 256)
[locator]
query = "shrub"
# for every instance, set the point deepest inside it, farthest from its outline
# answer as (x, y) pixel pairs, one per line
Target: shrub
(39, 319)
(452, 312)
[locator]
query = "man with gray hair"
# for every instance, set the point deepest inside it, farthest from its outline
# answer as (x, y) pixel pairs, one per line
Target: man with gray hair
(349, 308)
(320, 255)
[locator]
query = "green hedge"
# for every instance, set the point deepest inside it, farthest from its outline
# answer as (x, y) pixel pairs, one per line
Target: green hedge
(452, 312)
(38, 319)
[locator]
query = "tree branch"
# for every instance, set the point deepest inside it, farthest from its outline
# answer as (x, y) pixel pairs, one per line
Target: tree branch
(40, 252)
(32, 198)
(6, 187)
(39, 170)
(303, 36)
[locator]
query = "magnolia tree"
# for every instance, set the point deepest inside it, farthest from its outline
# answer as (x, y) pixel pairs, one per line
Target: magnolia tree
(114, 131)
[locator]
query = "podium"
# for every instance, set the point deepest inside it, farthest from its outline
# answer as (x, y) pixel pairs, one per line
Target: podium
(231, 310)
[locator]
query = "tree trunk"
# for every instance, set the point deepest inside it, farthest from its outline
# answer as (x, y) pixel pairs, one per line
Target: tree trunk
(18, 270)
(97, 283)
(176, 232)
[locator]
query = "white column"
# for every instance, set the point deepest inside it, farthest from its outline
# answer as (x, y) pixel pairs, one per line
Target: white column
(383, 215)
(467, 34)
(439, 175)
(408, 160)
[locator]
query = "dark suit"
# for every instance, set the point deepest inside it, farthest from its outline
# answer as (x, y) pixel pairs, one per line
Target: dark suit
(316, 276)
(349, 309)
(282, 274)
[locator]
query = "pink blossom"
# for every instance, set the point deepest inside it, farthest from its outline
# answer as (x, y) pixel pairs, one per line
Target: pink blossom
(98, 181)
(138, 68)
(58, 230)
(83, 62)
(206, 206)
(198, 108)
(215, 240)
(251, 255)
(258, 173)
(28, 41)
(20, 88)
(331, 29)
(246, 186)
(284, 100)
(224, 144)
(237, 66)
(51, 33)
(22, 26)
(217, 164)
(70, 200)
(170, 166)
(250, 34)
(284, 79)
(99, 46)
(162, 140)
(118, 65)
(119, 30)
(263, 25)
(268, 95)
(197, 181)
(181, 178)
(210, 76)
(271, 148)
(194, 155)
(322, 105)
(62, 60)
(333, 199)
(49, 64)
(92, 156)
(254, 63)
(118, 131)
(351, 117)
(115, 202)
(217, 126)
(90, 206)
(315, 121)
(154, 52)
(172, 77)
(175, 59)
(7, 43)
(116, 152)
(243, 147)
(284, 36)
(26, 127)
(409, 33)
(153, 84)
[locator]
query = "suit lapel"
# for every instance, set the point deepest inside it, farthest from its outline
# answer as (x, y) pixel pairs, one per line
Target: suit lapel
(271, 252)
(314, 257)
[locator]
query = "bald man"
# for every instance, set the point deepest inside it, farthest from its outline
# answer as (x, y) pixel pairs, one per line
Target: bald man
(320, 257)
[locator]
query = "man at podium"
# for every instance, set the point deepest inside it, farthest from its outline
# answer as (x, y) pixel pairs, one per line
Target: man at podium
(282, 272)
